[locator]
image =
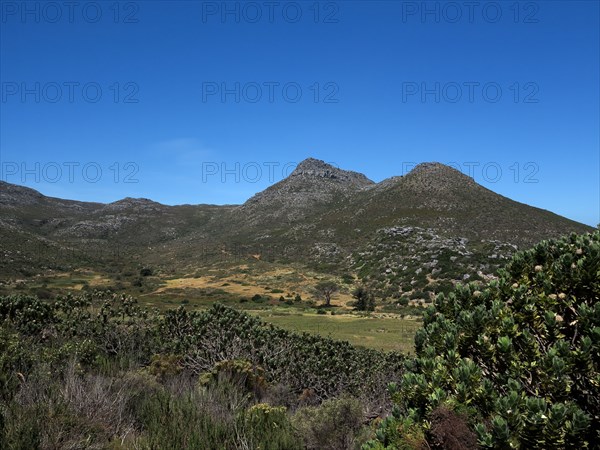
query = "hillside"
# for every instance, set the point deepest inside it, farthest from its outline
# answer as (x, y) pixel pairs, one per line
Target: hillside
(409, 235)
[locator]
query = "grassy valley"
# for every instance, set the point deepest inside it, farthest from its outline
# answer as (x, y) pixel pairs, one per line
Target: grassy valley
(327, 312)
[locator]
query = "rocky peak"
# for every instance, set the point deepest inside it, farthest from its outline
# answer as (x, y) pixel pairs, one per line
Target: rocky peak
(433, 167)
(316, 168)
(15, 194)
(134, 204)
(437, 174)
(312, 185)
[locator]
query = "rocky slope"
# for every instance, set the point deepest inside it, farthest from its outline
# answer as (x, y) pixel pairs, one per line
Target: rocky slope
(313, 186)
(402, 235)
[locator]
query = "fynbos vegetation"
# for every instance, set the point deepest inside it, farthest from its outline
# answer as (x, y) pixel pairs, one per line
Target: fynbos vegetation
(512, 364)
(508, 355)
(98, 370)
(516, 363)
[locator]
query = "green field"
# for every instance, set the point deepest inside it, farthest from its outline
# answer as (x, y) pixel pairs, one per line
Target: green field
(382, 333)
(387, 331)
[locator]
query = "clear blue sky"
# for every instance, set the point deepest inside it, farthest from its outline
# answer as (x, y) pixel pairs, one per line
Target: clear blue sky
(162, 122)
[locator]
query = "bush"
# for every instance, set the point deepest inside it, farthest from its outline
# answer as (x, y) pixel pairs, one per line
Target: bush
(365, 301)
(337, 424)
(519, 358)
(97, 371)
(417, 295)
(347, 278)
(450, 431)
(269, 428)
(238, 372)
(164, 366)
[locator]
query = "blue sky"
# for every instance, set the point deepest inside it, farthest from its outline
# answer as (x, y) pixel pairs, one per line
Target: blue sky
(211, 102)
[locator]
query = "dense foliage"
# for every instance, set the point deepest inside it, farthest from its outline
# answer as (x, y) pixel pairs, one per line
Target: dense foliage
(518, 361)
(511, 364)
(97, 370)
(300, 361)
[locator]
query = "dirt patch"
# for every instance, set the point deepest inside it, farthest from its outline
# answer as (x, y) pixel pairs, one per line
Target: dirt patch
(247, 284)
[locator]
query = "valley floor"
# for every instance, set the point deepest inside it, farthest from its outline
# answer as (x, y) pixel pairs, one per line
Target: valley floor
(279, 295)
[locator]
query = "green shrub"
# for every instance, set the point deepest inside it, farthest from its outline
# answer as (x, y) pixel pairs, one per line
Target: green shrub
(365, 301)
(267, 427)
(241, 373)
(347, 278)
(519, 358)
(164, 366)
(98, 371)
(417, 295)
(176, 422)
(337, 424)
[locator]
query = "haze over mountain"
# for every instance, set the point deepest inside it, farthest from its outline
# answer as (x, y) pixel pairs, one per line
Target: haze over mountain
(320, 216)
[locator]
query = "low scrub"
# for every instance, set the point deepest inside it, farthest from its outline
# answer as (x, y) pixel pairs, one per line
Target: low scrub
(517, 362)
(98, 371)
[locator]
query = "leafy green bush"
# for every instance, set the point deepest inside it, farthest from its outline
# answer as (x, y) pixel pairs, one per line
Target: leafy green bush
(365, 301)
(269, 428)
(347, 278)
(98, 371)
(335, 425)
(239, 372)
(520, 357)
(300, 361)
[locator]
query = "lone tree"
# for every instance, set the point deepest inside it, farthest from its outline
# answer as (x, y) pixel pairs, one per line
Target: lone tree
(364, 299)
(325, 289)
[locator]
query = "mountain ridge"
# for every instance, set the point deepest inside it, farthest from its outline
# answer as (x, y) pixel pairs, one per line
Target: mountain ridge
(320, 216)
(309, 168)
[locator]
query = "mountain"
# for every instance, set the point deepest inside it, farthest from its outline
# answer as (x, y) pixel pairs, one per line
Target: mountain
(440, 196)
(312, 186)
(409, 233)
